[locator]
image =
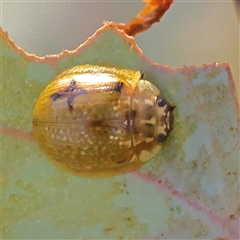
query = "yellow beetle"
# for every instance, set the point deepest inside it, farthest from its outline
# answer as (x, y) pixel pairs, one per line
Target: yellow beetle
(98, 121)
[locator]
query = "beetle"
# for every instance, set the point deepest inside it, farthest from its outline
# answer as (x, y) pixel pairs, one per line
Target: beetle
(99, 121)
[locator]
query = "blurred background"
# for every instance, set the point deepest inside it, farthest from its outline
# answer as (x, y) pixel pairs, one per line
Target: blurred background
(190, 33)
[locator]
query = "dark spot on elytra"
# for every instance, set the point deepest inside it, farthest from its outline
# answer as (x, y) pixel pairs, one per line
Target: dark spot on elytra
(71, 92)
(70, 103)
(119, 86)
(55, 96)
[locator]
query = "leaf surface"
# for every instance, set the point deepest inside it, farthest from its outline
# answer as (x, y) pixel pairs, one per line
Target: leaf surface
(189, 190)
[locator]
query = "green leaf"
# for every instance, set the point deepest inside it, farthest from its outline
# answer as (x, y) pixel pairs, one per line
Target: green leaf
(189, 190)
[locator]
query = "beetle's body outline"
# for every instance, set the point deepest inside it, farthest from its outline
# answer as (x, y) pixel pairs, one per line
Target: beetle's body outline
(101, 121)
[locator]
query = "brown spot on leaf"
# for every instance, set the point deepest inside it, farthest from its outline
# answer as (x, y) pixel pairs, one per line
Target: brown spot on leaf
(232, 217)
(220, 238)
(109, 229)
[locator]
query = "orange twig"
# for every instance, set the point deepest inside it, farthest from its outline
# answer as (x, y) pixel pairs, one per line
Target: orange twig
(151, 13)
